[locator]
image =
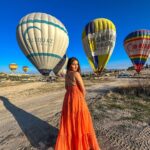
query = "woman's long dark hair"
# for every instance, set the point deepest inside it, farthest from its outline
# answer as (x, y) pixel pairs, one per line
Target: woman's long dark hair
(70, 61)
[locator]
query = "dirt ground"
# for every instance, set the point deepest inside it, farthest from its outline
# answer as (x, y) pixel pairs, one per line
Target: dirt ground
(30, 115)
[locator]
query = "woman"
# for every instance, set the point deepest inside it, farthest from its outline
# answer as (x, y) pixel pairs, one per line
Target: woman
(76, 128)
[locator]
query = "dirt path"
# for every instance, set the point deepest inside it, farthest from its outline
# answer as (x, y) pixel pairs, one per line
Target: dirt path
(25, 121)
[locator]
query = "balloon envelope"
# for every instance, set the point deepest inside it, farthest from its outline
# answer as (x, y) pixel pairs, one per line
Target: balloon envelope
(137, 46)
(60, 67)
(98, 40)
(43, 39)
(25, 68)
(13, 66)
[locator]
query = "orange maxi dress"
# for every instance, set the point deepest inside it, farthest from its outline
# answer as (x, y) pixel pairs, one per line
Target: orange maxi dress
(76, 127)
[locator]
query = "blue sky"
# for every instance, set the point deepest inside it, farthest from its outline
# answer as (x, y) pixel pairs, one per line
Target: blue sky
(127, 15)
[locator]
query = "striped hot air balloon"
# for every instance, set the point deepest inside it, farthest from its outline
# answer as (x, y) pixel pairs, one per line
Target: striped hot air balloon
(60, 67)
(137, 46)
(98, 40)
(13, 67)
(43, 39)
(25, 68)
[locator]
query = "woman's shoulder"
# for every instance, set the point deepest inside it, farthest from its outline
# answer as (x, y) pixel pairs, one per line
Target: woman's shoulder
(76, 75)
(73, 73)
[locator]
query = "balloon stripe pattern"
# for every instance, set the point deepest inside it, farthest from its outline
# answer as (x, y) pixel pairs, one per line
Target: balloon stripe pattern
(44, 54)
(43, 21)
(61, 66)
(43, 39)
(98, 40)
(137, 46)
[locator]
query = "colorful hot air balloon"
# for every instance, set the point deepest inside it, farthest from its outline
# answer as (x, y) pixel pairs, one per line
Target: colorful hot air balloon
(25, 68)
(98, 40)
(43, 39)
(13, 67)
(137, 46)
(59, 68)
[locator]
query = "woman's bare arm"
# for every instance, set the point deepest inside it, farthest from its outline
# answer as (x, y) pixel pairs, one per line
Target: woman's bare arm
(80, 82)
(65, 82)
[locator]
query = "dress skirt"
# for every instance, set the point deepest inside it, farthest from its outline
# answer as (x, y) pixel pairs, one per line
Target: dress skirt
(76, 127)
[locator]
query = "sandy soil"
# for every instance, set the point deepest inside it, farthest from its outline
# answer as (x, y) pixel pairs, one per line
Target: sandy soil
(30, 114)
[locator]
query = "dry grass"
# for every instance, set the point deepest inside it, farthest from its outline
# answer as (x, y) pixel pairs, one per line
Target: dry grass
(135, 99)
(122, 117)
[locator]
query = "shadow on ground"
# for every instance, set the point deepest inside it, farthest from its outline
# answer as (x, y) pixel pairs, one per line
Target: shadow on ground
(39, 133)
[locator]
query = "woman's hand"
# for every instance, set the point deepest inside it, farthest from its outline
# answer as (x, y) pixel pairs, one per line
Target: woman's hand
(84, 94)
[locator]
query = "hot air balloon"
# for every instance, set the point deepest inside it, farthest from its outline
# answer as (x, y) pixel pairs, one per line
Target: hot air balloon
(62, 73)
(98, 40)
(43, 39)
(137, 46)
(13, 67)
(25, 68)
(60, 67)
